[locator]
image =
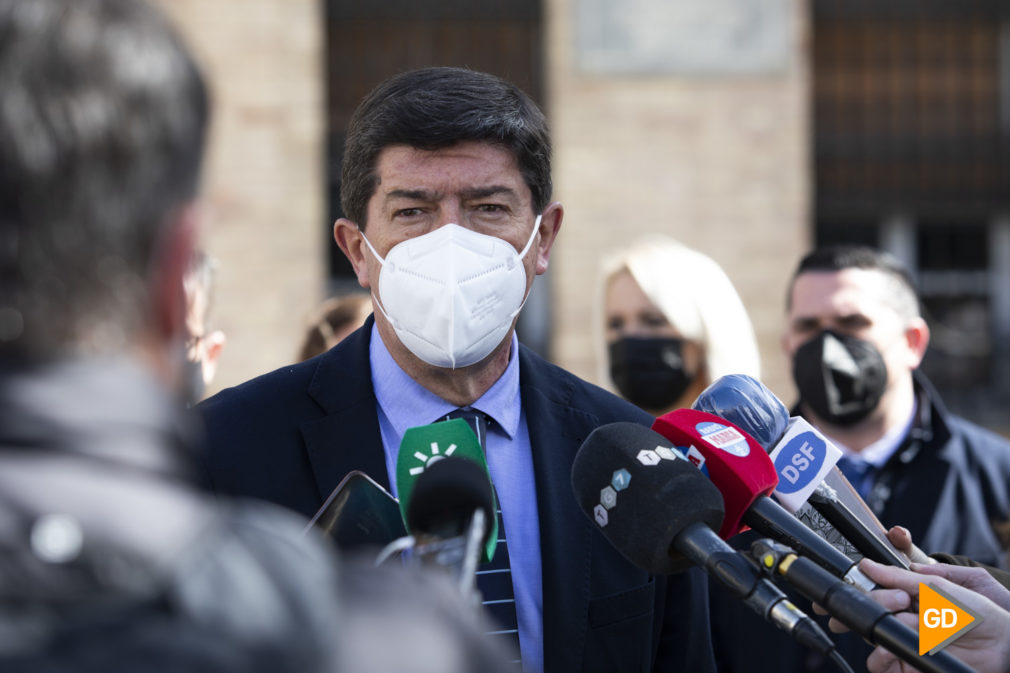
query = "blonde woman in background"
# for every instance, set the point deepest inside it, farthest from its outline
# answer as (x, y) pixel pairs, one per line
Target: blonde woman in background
(671, 324)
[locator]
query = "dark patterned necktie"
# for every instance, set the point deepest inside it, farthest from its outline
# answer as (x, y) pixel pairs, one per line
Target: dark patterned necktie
(494, 579)
(859, 473)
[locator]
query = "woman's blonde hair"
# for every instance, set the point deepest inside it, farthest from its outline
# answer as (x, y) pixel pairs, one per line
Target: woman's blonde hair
(696, 297)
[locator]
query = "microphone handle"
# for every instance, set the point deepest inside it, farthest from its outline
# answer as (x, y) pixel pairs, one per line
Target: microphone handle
(704, 548)
(863, 615)
(855, 531)
(769, 518)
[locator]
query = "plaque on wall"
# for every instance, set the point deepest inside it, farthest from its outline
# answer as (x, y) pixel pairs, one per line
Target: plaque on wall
(688, 37)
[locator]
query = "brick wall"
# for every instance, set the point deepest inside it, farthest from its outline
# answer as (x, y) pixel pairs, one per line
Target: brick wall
(264, 181)
(720, 163)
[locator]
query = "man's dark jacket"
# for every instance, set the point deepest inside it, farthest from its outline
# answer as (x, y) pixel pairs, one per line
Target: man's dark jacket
(948, 484)
(291, 435)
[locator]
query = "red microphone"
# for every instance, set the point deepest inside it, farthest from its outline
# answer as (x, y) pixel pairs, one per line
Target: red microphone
(745, 475)
(736, 463)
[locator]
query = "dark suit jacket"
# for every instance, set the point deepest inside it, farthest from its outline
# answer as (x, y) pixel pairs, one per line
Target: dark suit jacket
(291, 435)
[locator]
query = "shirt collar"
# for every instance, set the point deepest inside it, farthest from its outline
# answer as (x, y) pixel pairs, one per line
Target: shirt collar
(879, 452)
(406, 403)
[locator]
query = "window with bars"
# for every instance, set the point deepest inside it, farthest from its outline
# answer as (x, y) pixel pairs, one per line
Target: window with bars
(911, 147)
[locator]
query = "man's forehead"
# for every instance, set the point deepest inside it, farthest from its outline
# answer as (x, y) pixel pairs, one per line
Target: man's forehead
(844, 291)
(479, 160)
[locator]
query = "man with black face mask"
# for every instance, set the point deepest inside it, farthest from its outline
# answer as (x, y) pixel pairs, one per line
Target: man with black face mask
(855, 337)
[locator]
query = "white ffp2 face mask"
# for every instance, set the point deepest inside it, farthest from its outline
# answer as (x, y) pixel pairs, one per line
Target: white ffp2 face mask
(451, 295)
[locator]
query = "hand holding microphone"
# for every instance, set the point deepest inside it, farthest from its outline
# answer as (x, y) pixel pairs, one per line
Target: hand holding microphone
(853, 608)
(985, 648)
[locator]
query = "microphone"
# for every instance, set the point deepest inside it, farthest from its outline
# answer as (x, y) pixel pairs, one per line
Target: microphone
(805, 461)
(448, 512)
(856, 610)
(423, 447)
(656, 509)
(745, 475)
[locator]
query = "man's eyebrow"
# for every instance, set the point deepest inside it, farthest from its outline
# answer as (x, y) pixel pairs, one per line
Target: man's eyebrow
(467, 194)
(491, 190)
(415, 194)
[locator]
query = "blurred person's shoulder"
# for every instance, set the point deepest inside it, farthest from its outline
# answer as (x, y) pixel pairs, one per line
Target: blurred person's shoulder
(157, 575)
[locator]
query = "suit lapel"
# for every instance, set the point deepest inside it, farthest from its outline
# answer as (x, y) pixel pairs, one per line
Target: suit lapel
(348, 437)
(556, 432)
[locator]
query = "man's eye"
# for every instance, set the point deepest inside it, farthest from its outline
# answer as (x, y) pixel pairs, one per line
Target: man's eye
(854, 322)
(407, 212)
(491, 208)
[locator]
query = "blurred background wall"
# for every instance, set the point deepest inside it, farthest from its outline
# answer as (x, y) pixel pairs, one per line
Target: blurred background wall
(749, 129)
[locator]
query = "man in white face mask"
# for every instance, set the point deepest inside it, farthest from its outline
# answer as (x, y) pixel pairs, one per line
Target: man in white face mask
(446, 189)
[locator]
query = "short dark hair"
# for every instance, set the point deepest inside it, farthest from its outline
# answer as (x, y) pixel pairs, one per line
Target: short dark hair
(902, 295)
(103, 117)
(434, 108)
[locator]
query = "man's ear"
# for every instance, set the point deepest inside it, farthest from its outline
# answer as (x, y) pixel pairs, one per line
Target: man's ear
(351, 242)
(169, 261)
(550, 225)
(214, 342)
(917, 340)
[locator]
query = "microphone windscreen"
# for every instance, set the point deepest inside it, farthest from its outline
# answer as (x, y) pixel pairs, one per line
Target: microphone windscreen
(737, 465)
(426, 445)
(445, 496)
(641, 493)
(747, 403)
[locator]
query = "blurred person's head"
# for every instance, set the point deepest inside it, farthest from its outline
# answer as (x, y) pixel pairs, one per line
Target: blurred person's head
(854, 335)
(672, 323)
(437, 629)
(203, 344)
(336, 318)
(102, 121)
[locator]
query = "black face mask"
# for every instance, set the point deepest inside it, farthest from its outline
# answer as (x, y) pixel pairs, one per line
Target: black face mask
(841, 378)
(649, 372)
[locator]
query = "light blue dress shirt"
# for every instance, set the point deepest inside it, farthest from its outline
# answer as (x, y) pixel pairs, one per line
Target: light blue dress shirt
(403, 403)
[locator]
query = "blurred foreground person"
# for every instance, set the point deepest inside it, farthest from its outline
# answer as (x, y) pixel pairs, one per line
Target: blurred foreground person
(111, 559)
(203, 344)
(672, 324)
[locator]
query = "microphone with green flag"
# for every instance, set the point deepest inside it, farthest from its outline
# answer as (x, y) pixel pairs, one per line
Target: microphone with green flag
(455, 493)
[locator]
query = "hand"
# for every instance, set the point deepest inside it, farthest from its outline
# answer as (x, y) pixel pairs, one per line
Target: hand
(901, 538)
(975, 579)
(986, 648)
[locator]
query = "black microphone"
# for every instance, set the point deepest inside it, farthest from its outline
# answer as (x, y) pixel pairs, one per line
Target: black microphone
(449, 513)
(850, 606)
(658, 510)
